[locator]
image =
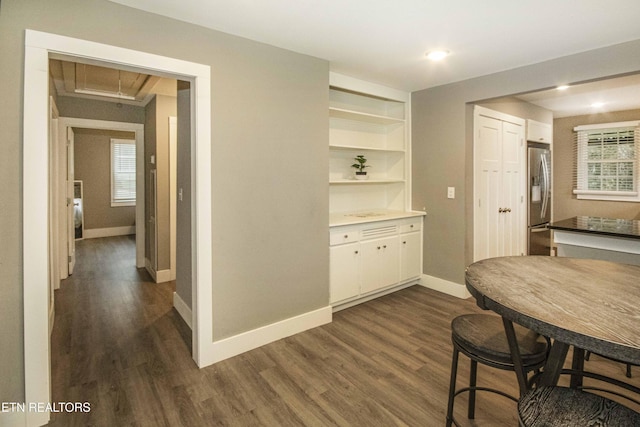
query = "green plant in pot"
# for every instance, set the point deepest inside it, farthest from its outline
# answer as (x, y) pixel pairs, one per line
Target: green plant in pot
(359, 167)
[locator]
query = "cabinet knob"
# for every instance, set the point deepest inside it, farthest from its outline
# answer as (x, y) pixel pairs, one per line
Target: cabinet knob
(411, 226)
(385, 246)
(346, 236)
(404, 243)
(378, 247)
(355, 252)
(500, 210)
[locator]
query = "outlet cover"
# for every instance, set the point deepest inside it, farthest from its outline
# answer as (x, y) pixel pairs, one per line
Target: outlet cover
(451, 192)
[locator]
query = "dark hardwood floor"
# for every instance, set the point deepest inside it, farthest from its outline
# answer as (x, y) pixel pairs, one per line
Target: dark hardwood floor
(118, 344)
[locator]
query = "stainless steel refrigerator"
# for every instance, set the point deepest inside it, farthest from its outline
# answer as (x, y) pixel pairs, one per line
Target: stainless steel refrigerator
(539, 199)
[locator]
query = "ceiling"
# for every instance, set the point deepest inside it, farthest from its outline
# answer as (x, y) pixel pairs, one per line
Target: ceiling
(385, 41)
(616, 94)
(107, 84)
(73, 79)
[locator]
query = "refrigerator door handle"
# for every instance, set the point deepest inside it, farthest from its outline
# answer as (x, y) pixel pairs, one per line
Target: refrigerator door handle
(545, 184)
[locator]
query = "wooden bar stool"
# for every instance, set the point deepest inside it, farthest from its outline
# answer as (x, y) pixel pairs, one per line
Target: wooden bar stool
(570, 407)
(482, 338)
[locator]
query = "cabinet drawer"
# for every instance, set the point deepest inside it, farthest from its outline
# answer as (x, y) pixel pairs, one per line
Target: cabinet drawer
(344, 236)
(411, 226)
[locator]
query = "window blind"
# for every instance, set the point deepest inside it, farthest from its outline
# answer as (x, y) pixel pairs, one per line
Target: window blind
(123, 172)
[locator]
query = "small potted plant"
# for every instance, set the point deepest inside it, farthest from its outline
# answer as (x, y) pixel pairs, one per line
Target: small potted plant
(359, 167)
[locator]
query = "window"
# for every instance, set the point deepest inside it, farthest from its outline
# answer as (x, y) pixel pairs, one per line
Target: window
(607, 161)
(123, 172)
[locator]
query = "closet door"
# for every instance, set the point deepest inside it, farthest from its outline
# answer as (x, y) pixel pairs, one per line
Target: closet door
(511, 196)
(499, 221)
(488, 187)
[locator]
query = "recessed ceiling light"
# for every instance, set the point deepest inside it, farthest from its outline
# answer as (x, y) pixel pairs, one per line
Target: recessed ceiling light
(437, 55)
(597, 104)
(563, 87)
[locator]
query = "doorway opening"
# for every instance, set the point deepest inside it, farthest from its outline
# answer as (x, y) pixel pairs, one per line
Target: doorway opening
(38, 48)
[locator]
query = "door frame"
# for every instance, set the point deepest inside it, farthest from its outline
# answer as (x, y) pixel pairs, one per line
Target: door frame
(138, 129)
(38, 48)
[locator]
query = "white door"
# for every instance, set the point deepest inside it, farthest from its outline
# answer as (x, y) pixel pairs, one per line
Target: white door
(71, 238)
(512, 200)
(488, 171)
(499, 221)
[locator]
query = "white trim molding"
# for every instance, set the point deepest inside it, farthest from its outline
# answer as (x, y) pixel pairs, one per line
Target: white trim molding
(95, 233)
(246, 341)
(39, 47)
(445, 286)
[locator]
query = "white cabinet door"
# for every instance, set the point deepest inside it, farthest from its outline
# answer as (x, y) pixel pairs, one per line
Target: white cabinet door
(344, 271)
(380, 263)
(410, 256)
(539, 132)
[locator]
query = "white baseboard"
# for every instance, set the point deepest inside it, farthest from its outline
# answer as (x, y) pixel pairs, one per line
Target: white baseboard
(93, 233)
(163, 276)
(445, 286)
(246, 341)
(159, 276)
(182, 308)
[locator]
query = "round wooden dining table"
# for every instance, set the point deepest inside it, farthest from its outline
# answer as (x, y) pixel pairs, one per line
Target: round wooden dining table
(592, 305)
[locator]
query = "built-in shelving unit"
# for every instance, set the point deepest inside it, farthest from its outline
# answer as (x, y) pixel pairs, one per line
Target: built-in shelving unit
(376, 240)
(370, 121)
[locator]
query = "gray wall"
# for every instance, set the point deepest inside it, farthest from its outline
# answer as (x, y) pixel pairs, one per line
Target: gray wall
(565, 203)
(81, 108)
(518, 108)
(269, 203)
(92, 164)
(442, 119)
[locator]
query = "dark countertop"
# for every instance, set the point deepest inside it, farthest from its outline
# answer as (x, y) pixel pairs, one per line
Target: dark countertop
(629, 228)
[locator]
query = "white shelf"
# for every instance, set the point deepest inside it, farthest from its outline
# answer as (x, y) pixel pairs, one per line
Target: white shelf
(357, 148)
(358, 116)
(348, 218)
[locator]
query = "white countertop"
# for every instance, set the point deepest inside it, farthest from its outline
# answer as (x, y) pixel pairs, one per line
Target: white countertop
(348, 218)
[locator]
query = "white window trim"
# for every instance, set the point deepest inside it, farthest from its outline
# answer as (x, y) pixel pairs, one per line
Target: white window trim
(618, 196)
(116, 203)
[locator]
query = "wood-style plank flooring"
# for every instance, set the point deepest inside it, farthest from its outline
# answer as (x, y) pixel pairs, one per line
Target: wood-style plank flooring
(118, 344)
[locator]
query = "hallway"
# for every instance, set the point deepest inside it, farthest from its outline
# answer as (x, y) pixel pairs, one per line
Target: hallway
(116, 337)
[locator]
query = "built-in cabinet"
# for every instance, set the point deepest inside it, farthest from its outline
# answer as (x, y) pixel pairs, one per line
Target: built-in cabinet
(539, 132)
(369, 257)
(376, 242)
(499, 185)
